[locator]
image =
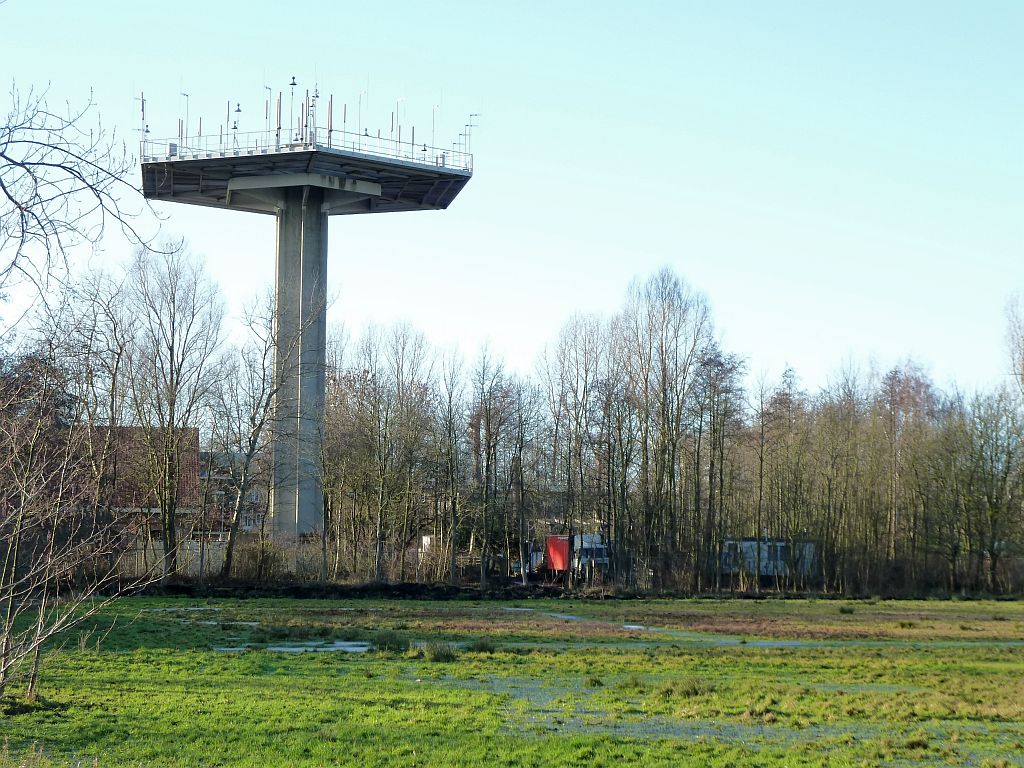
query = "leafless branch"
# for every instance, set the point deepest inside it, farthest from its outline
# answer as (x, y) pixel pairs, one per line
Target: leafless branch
(63, 180)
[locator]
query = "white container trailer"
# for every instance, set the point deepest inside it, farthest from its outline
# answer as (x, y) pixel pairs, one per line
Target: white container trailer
(768, 558)
(590, 552)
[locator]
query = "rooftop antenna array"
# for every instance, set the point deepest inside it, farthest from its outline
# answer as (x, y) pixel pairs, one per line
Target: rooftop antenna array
(311, 123)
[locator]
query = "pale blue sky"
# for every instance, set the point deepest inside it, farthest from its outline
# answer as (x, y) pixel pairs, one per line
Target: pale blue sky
(844, 181)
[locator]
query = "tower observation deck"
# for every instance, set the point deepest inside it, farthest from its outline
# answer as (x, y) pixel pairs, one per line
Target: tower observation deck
(320, 173)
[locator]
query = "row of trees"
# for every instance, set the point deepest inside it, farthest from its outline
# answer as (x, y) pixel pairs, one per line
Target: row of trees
(641, 428)
(638, 427)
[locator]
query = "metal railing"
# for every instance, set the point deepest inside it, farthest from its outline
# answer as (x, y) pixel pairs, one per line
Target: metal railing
(236, 144)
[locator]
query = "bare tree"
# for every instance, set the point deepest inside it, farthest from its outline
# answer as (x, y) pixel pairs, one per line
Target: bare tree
(61, 542)
(173, 367)
(63, 180)
(716, 412)
(488, 419)
(244, 396)
(378, 430)
(338, 463)
(1015, 338)
(619, 427)
(526, 406)
(997, 494)
(450, 420)
(411, 368)
(667, 327)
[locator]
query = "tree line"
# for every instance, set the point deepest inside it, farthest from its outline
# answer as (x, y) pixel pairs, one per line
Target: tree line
(637, 426)
(640, 427)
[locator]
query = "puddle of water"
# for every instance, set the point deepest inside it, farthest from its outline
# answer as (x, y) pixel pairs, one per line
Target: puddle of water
(634, 626)
(867, 687)
(211, 623)
(547, 709)
(550, 614)
(345, 646)
(539, 696)
(180, 609)
(348, 610)
(544, 703)
(708, 639)
(776, 643)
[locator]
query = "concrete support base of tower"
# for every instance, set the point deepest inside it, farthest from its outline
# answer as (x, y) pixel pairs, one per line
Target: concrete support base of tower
(299, 366)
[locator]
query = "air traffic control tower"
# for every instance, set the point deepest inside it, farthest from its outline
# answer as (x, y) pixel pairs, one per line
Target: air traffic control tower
(301, 175)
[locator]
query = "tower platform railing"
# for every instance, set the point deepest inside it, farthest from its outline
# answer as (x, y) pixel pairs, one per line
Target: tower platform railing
(237, 144)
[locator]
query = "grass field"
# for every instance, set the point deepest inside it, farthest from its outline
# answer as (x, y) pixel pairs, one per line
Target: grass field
(175, 682)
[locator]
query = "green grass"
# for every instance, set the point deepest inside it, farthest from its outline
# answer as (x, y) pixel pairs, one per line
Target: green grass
(465, 683)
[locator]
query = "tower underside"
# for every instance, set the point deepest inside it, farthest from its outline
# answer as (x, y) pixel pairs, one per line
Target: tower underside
(226, 179)
(301, 186)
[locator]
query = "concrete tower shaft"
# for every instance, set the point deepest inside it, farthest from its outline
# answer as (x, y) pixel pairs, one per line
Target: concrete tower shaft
(300, 363)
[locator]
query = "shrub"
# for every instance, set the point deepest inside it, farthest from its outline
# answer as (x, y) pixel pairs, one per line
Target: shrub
(256, 561)
(632, 683)
(918, 740)
(391, 642)
(846, 609)
(687, 687)
(272, 633)
(482, 645)
(442, 652)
